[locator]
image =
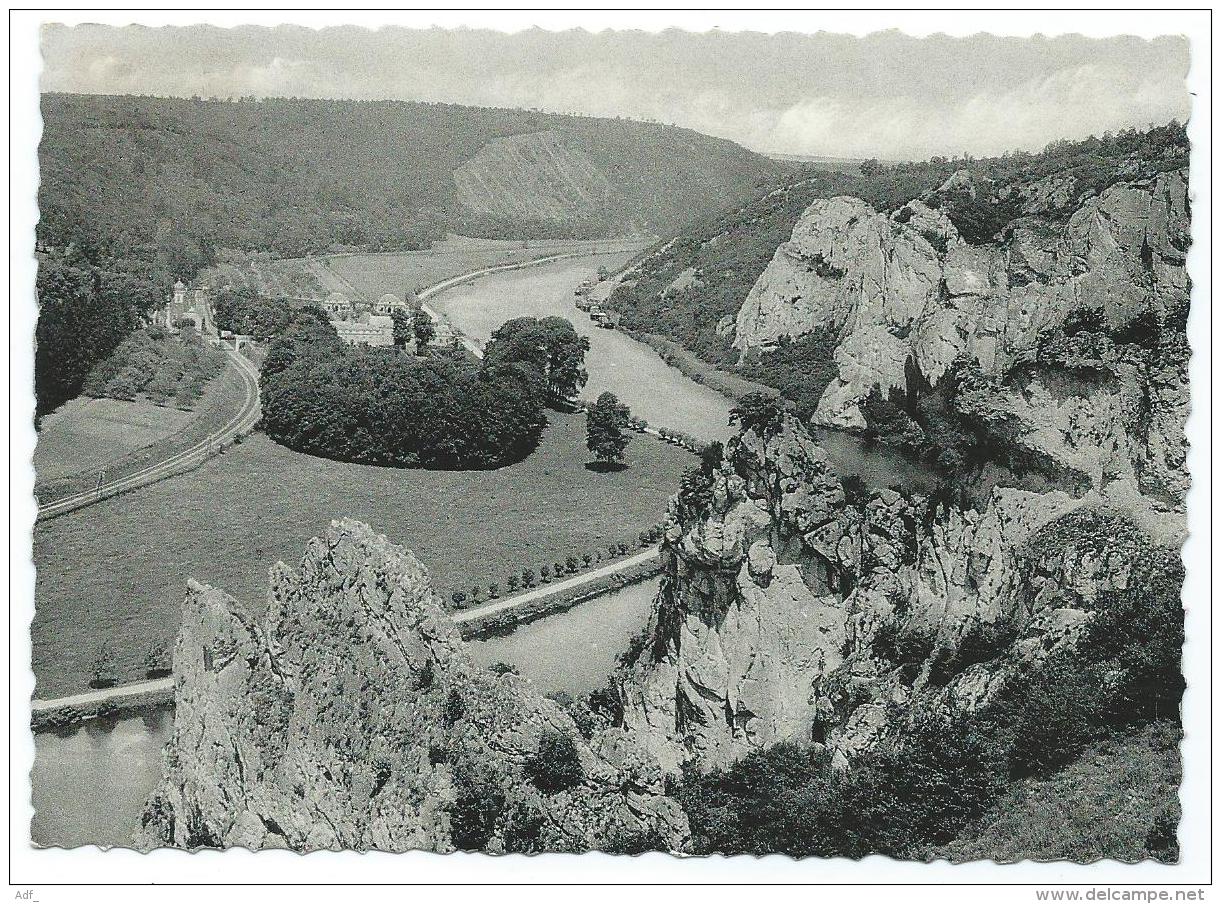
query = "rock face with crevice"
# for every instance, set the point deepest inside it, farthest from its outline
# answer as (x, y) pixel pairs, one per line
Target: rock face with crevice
(349, 715)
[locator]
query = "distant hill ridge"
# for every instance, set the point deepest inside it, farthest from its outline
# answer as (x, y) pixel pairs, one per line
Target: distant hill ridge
(173, 179)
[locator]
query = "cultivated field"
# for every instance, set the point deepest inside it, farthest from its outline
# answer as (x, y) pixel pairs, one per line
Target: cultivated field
(116, 571)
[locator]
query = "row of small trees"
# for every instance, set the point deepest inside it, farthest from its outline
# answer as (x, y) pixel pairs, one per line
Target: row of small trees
(156, 663)
(530, 577)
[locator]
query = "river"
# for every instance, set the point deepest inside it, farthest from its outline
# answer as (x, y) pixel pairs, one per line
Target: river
(90, 783)
(654, 390)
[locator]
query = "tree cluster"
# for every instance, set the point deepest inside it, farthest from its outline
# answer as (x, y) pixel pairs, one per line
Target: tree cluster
(380, 406)
(550, 346)
(156, 365)
(84, 312)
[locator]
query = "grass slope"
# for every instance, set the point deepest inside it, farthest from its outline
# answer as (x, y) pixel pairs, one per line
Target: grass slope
(115, 571)
(1116, 801)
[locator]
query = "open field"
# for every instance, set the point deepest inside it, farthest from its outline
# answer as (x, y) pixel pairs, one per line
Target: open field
(116, 570)
(373, 275)
(88, 435)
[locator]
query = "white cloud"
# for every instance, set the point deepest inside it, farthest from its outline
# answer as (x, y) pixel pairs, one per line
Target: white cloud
(888, 95)
(1070, 103)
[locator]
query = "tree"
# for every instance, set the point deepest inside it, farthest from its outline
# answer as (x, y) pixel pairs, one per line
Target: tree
(551, 347)
(425, 331)
(605, 435)
(402, 328)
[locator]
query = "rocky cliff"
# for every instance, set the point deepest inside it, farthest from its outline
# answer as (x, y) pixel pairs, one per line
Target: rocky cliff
(349, 715)
(792, 610)
(907, 291)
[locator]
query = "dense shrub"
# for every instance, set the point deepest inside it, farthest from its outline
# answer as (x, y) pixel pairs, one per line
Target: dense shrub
(556, 766)
(801, 369)
(478, 805)
(762, 413)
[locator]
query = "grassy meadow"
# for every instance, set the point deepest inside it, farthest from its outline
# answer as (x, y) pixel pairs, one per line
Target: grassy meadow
(115, 572)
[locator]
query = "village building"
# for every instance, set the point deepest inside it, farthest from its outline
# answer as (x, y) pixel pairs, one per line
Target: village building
(183, 305)
(372, 329)
(389, 303)
(338, 304)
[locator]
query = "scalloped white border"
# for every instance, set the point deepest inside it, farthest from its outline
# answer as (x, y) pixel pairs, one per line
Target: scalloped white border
(32, 866)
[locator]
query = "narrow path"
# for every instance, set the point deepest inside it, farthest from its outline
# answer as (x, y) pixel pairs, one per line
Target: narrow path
(105, 695)
(241, 422)
(160, 685)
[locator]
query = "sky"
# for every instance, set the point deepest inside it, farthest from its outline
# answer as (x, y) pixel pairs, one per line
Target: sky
(887, 95)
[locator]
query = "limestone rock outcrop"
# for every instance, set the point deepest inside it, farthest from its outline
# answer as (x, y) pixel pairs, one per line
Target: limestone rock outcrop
(790, 611)
(349, 715)
(906, 290)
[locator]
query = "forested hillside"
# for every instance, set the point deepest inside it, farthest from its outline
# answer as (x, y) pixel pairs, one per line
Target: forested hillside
(144, 190)
(172, 179)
